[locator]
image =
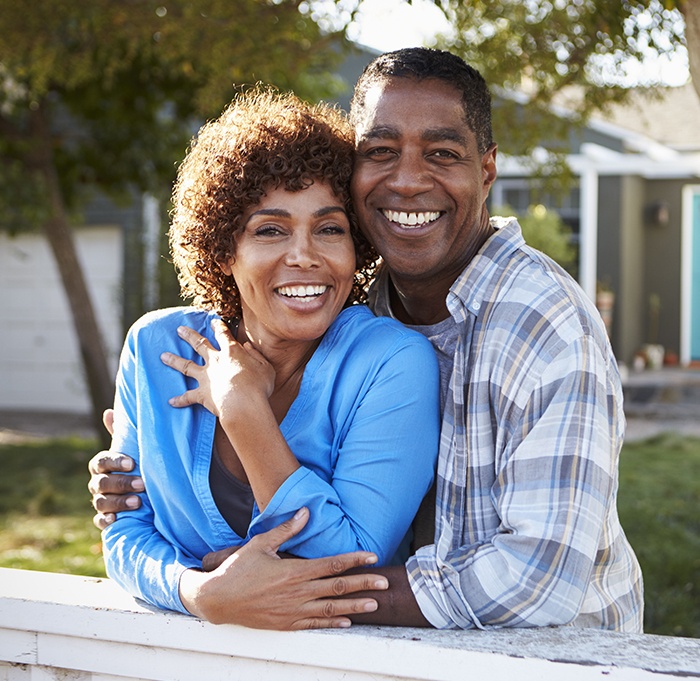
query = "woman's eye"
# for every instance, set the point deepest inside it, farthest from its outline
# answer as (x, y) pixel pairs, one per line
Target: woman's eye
(333, 229)
(267, 230)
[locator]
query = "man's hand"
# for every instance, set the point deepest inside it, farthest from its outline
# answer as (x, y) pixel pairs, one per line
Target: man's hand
(112, 492)
(254, 587)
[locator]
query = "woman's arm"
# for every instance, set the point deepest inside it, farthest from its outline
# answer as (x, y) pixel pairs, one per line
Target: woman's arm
(384, 465)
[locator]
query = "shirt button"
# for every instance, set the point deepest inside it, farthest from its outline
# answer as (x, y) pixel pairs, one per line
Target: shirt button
(476, 305)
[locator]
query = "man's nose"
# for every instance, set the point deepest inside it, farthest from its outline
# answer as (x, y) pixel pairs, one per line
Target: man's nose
(409, 175)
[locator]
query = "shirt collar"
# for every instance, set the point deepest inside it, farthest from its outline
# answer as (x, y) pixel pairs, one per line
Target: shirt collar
(472, 287)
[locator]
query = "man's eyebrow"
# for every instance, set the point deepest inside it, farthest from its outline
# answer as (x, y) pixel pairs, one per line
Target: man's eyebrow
(379, 132)
(444, 135)
(429, 135)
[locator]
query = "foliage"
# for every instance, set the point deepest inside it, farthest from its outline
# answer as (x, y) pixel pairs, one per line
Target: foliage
(568, 52)
(658, 501)
(104, 95)
(544, 230)
(45, 519)
(123, 81)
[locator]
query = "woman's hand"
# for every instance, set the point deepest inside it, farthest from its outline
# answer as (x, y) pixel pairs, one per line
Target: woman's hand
(255, 588)
(229, 378)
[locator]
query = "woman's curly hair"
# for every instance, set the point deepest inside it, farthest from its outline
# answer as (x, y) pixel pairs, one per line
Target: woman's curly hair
(262, 141)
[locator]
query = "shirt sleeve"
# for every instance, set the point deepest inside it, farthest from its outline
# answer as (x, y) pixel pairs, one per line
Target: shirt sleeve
(555, 474)
(385, 465)
(136, 555)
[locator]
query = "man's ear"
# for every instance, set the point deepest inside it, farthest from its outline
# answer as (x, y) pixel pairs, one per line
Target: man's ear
(488, 168)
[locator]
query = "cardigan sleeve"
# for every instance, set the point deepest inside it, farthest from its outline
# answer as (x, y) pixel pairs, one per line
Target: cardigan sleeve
(136, 555)
(384, 468)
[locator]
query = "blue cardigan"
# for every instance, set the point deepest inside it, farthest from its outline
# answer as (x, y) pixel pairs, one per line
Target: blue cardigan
(364, 427)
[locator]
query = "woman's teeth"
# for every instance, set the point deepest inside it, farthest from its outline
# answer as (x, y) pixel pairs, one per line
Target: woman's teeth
(301, 291)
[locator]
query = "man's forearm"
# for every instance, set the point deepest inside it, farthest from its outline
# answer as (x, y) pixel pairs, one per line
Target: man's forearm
(397, 604)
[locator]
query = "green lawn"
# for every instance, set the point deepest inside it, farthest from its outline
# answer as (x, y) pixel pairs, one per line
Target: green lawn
(45, 519)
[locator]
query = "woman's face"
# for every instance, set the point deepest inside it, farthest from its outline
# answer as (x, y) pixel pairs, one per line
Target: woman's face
(294, 264)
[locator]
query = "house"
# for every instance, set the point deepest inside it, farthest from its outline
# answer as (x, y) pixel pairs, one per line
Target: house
(635, 213)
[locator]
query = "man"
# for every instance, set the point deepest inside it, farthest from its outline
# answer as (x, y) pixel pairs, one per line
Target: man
(526, 527)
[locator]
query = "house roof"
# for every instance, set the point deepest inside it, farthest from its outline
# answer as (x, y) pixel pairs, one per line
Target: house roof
(670, 117)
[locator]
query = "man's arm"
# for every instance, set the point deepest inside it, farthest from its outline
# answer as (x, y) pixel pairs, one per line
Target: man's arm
(396, 606)
(395, 603)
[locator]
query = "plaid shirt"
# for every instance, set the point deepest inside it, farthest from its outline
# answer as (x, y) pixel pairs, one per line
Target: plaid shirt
(526, 528)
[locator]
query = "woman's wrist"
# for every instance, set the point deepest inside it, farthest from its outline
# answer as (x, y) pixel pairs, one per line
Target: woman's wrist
(192, 590)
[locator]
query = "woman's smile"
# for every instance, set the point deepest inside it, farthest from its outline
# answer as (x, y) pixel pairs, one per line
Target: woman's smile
(294, 264)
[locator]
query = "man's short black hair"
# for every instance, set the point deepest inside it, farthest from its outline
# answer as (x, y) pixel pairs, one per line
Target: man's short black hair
(421, 63)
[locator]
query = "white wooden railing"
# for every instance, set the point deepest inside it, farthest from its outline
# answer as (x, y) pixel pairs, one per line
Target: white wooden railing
(74, 628)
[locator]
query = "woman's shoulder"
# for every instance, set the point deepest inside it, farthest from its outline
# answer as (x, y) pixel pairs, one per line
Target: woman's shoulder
(359, 326)
(166, 321)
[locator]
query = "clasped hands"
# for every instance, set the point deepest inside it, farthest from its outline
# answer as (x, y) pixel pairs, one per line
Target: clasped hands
(251, 586)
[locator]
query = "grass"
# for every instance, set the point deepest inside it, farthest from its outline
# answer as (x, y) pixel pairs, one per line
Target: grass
(659, 506)
(45, 512)
(46, 519)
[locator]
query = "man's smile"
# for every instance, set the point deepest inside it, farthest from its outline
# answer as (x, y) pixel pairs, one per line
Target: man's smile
(411, 220)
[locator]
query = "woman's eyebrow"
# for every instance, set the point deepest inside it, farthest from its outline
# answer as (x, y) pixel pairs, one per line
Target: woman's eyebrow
(328, 210)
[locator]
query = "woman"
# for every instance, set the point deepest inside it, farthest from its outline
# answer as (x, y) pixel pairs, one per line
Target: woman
(304, 398)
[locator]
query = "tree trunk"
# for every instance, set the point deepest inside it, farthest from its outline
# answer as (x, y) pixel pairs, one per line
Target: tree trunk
(92, 349)
(691, 14)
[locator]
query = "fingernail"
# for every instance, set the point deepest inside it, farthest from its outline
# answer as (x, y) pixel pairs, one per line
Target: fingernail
(164, 357)
(381, 584)
(137, 485)
(132, 502)
(344, 624)
(371, 560)
(125, 464)
(370, 606)
(300, 513)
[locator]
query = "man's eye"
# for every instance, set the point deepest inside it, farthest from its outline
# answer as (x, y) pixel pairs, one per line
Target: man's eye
(445, 154)
(378, 151)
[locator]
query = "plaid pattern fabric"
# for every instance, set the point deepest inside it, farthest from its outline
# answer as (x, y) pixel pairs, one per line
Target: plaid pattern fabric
(526, 528)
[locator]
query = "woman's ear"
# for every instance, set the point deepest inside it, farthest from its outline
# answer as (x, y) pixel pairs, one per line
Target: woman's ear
(225, 265)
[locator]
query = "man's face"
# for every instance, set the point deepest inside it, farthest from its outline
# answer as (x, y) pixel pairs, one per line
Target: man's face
(420, 183)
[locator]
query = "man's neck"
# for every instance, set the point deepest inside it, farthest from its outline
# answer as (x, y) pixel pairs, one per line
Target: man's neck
(417, 305)
(423, 303)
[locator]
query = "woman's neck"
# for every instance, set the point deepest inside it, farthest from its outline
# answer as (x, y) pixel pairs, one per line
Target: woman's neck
(288, 359)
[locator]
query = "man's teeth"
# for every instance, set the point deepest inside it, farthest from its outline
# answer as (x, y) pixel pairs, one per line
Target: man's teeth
(410, 219)
(301, 291)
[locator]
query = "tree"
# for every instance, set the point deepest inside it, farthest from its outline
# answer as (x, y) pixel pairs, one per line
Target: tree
(103, 94)
(545, 230)
(691, 13)
(534, 52)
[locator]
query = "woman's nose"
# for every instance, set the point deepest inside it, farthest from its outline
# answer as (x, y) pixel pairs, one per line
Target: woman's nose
(303, 251)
